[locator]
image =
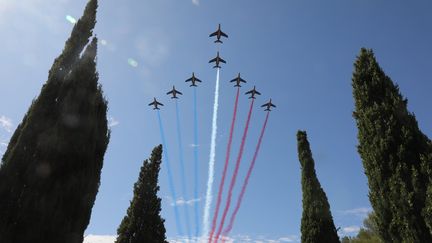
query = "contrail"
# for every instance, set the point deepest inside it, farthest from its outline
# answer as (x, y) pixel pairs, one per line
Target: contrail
(234, 177)
(182, 170)
(206, 223)
(170, 178)
(196, 165)
(227, 156)
(246, 181)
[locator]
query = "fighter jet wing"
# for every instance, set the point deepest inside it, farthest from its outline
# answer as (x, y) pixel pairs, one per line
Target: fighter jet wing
(234, 80)
(170, 92)
(198, 80)
(273, 105)
(249, 92)
(188, 80)
(213, 60)
(222, 60)
(151, 103)
(159, 103)
(213, 34)
(258, 93)
(178, 92)
(242, 80)
(266, 104)
(223, 34)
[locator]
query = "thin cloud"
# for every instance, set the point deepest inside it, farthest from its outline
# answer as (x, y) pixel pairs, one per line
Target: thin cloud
(361, 212)
(196, 2)
(6, 123)
(182, 239)
(99, 239)
(112, 122)
(351, 229)
(183, 202)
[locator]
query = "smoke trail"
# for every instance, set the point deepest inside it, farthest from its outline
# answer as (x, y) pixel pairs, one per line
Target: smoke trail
(234, 177)
(227, 156)
(212, 156)
(170, 178)
(246, 181)
(182, 170)
(196, 169)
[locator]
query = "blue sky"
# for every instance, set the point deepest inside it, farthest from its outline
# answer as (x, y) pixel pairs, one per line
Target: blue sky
(299, 53)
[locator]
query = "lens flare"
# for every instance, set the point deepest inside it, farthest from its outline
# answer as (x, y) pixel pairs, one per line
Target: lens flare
(71, 19)
(132, 62)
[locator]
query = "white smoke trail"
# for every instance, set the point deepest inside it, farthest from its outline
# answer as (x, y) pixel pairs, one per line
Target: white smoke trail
(212, 156)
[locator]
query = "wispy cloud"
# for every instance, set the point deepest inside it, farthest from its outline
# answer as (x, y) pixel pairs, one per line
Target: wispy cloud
(361, 212)
(238, 238)
(182, 202)
(196, 2)
(351, 229)
(112, 122)
(99, 239)
(6, 123)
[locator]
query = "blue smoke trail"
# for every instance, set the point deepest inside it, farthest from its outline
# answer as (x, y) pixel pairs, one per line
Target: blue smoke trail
(196, 169)
(182, 170)
(170, 178)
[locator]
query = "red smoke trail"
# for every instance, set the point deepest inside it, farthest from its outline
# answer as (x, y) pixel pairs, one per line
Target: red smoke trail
(234, 177)
(246, 181)
(227, 156)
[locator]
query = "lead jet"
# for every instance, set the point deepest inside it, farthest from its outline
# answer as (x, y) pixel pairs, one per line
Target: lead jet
(253, 92)
(268, 105)
(155, 103)
(193, 79)
(218, 33)
(217, 60)
(174, 93)
(238, 80)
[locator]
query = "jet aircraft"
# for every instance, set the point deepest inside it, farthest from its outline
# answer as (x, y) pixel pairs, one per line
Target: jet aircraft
(238, 80)
(217, 60)
(253, 92)
(193, 79)
(268, 105)
(174, 93)
(155, 103)
(218, 33)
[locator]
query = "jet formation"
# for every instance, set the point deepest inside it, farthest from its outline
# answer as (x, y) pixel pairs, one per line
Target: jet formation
(238, 80)
(218, 33)
(268, 105)
(174, 93)
(217, 60)
(193, 79)
(155, 103)
(253, 92)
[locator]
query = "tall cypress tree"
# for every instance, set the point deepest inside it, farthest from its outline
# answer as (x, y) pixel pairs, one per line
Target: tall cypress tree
(143, 222)
(50, 173)
(317, 222)
(396, 155)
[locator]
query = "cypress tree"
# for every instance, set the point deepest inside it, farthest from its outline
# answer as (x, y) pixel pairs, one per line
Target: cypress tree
(317, 222)
(50, 173)
(143, 223)
(396, 155)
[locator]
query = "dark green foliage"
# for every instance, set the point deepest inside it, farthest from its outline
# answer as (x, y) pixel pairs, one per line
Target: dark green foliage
(367, 234)
(317, 222)
(143, 223)
(395, 154)
(50, 173)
